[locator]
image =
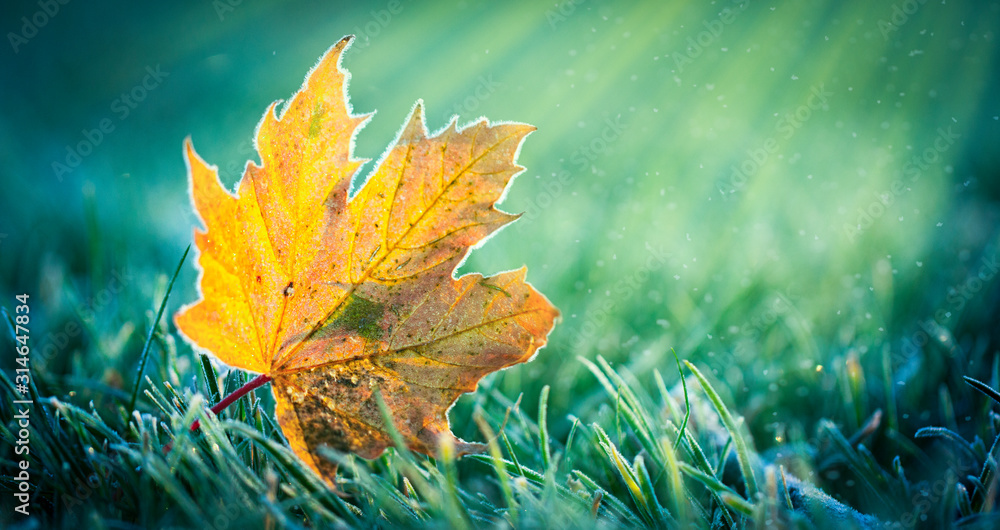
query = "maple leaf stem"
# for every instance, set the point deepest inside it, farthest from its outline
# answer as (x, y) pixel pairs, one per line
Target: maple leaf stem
(258, 381)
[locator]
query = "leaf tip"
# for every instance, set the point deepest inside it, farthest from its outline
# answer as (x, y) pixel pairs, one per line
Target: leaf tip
(190, 154)
(415, 128)
(337, 50)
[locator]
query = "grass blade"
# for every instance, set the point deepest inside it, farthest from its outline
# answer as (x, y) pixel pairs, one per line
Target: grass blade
(152, 330)
(543, 428)
(742, 448)
(211, 378)
(983, 387)
(675, 481)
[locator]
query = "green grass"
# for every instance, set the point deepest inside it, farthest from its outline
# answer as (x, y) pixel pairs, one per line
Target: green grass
(638, 457)
(732, 354)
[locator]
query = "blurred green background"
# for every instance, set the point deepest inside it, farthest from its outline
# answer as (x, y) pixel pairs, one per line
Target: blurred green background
(790, 194)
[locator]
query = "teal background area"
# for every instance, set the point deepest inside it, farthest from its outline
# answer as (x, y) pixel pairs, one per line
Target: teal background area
(661, 176)
(781, 192)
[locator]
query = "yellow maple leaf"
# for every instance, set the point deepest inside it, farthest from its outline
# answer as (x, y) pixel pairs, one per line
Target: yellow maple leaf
(334, 298)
